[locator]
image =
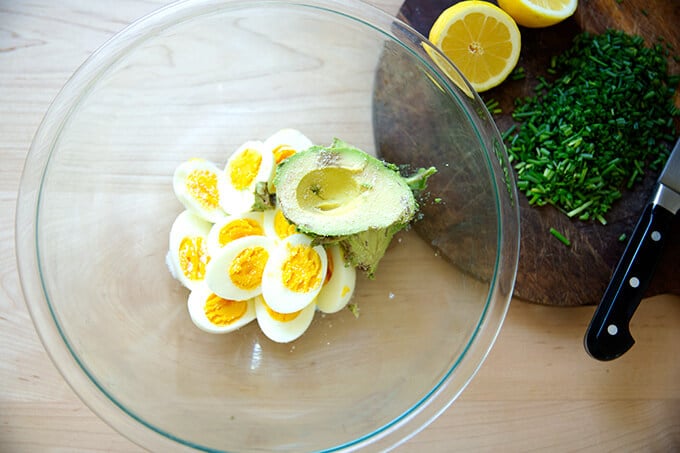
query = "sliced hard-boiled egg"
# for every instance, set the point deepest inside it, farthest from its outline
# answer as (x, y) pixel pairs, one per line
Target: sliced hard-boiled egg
(276, 226)
(285, 143)
(188, 255)
(294, 274)
(339, 284)
(283, 327)
(196, 183)
(214, 314)
(235, 227)
(235, 271)
(249, 165)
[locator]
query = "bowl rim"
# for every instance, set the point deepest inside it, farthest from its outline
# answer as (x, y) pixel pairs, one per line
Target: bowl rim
(85, 385)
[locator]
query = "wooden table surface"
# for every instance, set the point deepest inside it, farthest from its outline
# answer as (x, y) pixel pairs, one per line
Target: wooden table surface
(537, 391)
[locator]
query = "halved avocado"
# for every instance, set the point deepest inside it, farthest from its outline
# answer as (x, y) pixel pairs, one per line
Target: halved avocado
(341, 190)
(341, 194)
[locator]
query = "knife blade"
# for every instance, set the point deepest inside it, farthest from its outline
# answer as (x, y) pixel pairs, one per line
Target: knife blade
(608, 335)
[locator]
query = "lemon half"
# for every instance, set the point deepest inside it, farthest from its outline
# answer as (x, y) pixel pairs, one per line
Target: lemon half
(538, 13)
(481, 39)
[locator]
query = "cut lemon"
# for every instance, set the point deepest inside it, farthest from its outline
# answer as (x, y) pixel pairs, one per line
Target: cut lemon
(480, 39)
(538, 13)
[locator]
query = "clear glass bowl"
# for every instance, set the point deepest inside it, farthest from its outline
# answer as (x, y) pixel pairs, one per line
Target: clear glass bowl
(199, 78)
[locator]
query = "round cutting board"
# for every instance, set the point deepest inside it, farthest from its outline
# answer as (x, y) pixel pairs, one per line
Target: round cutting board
(550, 272)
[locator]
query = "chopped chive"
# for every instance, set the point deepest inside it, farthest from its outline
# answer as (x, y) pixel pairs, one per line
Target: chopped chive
(508, 132)
(598, 127)
(518, 73)
(623, 237)
(580, 209)
(491, 104)
(560, 237)
(519, 115)
(594, 59)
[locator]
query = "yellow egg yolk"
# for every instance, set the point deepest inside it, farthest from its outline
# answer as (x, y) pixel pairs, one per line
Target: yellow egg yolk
(244, 167)
(202, 186)
(345, 290)
(282, 226)
(239, 228)
(247, 267)
(282, 152)
(222, 312)
(193, 257)
(281, 317)
(301, 270)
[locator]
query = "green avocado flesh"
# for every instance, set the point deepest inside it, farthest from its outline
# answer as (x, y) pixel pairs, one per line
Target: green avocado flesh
(341, 190)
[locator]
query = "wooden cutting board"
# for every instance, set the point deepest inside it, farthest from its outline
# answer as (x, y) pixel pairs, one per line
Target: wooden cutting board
(549, 272)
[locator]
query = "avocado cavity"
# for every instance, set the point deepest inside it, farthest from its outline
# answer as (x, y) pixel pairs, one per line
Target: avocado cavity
(331, 189)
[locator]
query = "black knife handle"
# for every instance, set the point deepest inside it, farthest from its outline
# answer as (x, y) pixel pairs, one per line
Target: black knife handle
(608, 335)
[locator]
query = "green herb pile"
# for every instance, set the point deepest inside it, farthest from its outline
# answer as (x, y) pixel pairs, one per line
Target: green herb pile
(598, 127)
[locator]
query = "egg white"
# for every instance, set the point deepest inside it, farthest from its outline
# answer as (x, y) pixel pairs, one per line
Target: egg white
(276, 294)
(217, 271)
(214, 236)
(187, 224)
(283, 332)
(338, 291)
(235, 200)
(189, 200)
(290, 138)
(196, 306)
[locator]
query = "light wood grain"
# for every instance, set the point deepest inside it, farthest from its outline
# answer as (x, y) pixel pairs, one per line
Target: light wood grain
(537, 391)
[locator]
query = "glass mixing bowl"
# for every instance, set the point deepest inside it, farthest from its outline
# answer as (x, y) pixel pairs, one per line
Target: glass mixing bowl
(197, 79)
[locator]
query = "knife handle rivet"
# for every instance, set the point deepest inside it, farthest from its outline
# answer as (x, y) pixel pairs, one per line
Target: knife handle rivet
(634, 282)
(656, 236)
(612, 329)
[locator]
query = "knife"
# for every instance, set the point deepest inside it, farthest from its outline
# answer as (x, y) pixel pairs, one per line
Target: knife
(608, 335)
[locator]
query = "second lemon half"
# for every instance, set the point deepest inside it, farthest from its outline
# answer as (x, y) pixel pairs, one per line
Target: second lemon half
(538, 13)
